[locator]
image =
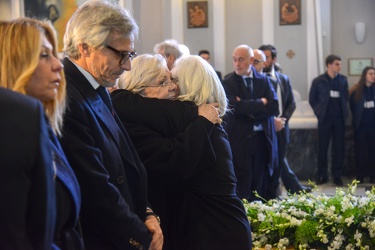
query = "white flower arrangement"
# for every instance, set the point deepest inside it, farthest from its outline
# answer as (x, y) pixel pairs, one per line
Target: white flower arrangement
(315, 221)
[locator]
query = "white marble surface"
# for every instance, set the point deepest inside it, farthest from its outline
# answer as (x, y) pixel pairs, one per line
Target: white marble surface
(303, 117)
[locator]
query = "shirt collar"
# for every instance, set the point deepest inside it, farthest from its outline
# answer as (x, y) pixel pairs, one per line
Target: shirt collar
(88, 76)
(251, 75)
(272, 73)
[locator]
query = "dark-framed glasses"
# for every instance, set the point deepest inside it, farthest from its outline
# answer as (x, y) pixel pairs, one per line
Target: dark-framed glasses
(125, 56)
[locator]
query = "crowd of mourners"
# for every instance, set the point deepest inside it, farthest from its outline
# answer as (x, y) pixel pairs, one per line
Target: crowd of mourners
(107, 149)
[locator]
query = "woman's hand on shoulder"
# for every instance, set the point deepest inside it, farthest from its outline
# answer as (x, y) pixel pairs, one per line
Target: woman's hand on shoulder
(211, 112)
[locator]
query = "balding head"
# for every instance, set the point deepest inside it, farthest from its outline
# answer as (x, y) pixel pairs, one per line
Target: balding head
(259, 59)
(243, 57)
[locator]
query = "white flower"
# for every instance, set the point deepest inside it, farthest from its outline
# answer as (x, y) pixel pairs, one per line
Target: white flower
(363, 201)
(346, 204)
(295, 222)
(357, 235)
(268, 247)
(349, 220)
(344, 220)
(349, 247)
(261, 217)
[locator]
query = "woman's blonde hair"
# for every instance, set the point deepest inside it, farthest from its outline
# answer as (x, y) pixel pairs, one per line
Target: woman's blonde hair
(198, 82)
(20, 48)
(146, 69)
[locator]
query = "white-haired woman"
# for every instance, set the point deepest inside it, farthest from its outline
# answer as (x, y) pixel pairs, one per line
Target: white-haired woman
(187, 155)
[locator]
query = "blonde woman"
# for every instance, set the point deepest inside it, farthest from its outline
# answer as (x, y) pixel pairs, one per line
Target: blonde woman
(30, 65)
(192, 185)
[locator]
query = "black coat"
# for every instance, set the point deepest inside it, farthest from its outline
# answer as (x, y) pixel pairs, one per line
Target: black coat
(319, 95)
(357, 107)
(189, 163)
(27, 210)
(239, 123)
(113, 180)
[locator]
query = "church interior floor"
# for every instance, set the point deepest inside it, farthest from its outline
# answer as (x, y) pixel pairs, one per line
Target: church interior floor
(329, 188)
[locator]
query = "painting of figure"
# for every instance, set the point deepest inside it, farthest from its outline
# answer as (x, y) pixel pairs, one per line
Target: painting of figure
(197, 14)
(43, 9)
(290, 12)
(57, 11)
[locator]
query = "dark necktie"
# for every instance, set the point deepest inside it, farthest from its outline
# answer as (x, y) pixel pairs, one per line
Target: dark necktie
(106, 98)
(249, 85)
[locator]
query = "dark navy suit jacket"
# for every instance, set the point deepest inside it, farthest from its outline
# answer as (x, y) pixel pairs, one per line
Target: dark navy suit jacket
(320, 94)
(357, 108)
(112, 178)
(28, 206)
(239, 123)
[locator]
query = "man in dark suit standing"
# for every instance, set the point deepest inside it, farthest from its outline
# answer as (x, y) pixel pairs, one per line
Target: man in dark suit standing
(27, 187)
(287, 105)
(328, 98)
(113, 181)
(250, 126)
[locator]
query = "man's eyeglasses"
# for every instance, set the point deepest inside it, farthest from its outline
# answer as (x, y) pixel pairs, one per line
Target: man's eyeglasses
(125, 56)
(257, 61)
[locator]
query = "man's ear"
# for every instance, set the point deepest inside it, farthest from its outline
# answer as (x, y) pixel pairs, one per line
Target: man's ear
(84, 49)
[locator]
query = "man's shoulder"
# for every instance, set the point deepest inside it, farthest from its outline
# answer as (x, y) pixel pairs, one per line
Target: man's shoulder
(342, 77)
(259, 76)
(8, 96)
(282, 76)
(320, 78)
(231, 76)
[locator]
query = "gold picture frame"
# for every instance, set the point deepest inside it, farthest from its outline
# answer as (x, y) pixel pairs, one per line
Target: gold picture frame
(58, 12)
(290, 12)
(197, 14)
(356, 65)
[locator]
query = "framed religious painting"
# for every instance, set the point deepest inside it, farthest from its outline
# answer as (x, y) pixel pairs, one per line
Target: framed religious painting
(290, 12)
(197, 14)
(57, 11)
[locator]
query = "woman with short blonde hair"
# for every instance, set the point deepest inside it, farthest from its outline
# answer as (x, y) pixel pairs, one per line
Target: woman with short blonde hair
(149, 77)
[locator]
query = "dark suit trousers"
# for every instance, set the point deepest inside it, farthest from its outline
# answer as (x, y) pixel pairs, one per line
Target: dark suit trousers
(331, 128)
(287, 175)
(364, 146)
(255, 177)
(289, 178)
